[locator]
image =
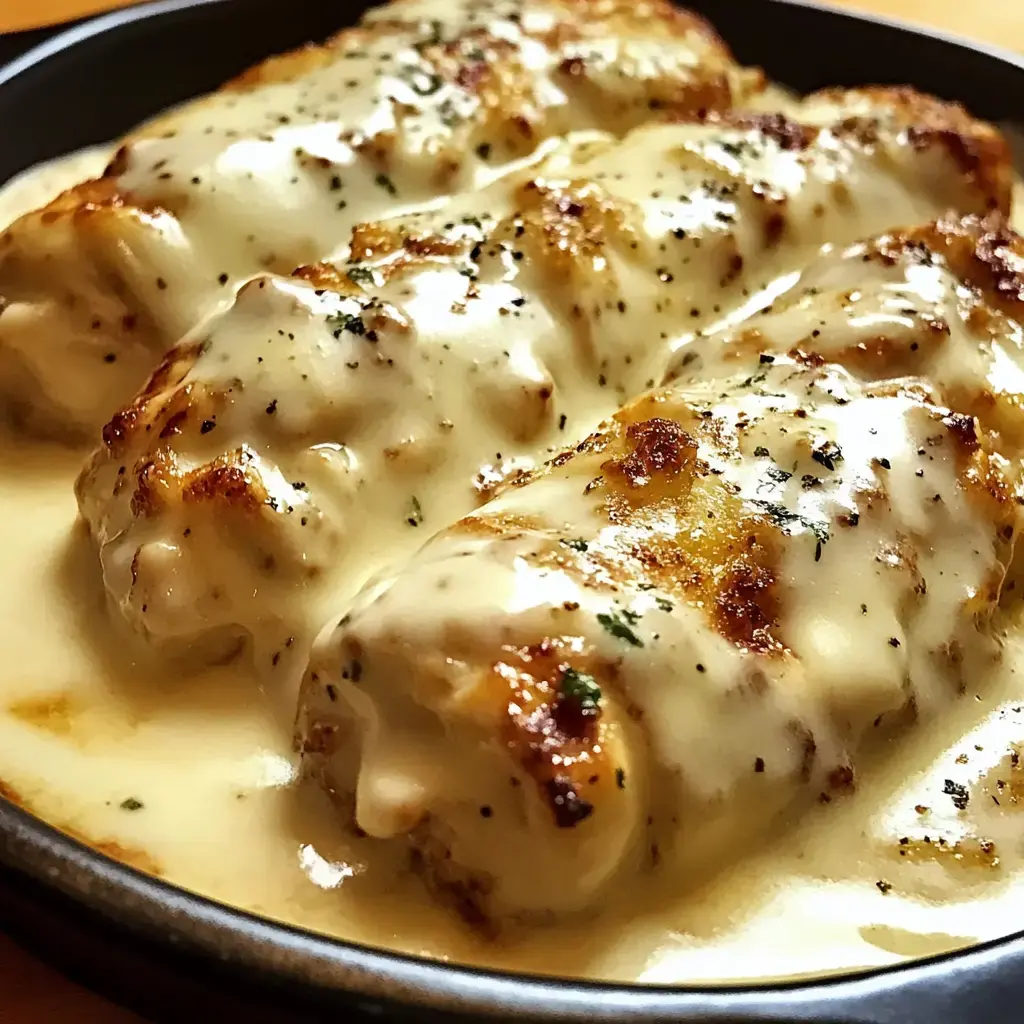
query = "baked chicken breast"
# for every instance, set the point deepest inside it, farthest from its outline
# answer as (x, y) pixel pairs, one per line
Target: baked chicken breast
(420, 101)
(329, 420)
(231, 496)
(709, 611)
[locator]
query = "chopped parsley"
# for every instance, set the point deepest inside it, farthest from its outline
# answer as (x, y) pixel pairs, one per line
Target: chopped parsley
(351, 322)
(783, 518)
(958, 793)
(362, 275)
(576, 543)
(582, 688)
(827, 454)
(618, 623)
(423, 83)
(384, 182)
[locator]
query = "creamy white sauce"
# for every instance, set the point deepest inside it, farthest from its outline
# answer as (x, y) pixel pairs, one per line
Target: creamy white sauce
(91, 729)
(88, 728)
(38, 185)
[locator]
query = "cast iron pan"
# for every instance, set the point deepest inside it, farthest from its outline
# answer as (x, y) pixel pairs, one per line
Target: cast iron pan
(174, 956)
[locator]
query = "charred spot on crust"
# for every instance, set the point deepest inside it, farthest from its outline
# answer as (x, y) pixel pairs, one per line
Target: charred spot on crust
(467, 892)
(964, 431)
(986, 252)
(149, 495)
(998, 256)
(788, 134)
(174, 424)
(659, 448)
(983, 251)
(228, 480)
(577, 707)
(746, 603)
(552, 712)
(568, 807)
(169, 373)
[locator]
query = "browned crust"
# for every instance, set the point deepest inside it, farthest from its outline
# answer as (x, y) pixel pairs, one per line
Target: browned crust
(566, 225)
(286, 67)
(977, 148)
(722, 557)
(553, 737)
(466, 892)
(711, 85)
(10, 794)
(169, 373)
(229, 480)
(490, 68)
(983, 251)
(326, 276)
(563, 229)
(89, 198)
(656, 447)
(785, 132)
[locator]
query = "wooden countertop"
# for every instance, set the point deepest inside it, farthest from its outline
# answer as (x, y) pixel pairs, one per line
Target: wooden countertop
(998, 21)
(31, 993)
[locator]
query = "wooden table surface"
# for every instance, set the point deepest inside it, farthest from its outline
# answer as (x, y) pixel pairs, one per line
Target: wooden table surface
(31, 993)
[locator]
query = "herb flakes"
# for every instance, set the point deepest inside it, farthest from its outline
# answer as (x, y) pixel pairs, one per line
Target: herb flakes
(618, 623)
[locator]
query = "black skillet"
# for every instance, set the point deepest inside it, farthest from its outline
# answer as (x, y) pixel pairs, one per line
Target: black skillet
(177, 957)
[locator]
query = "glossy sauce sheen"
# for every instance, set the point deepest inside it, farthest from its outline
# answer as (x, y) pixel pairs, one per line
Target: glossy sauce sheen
(419, 102)
(227, 501)
(185, 774)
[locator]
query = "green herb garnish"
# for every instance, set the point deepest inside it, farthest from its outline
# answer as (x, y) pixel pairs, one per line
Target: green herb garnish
(582, 688)
(827, 454)
(351, 322)
(618, 624)
(576, 543)
(384, 182)
(362, 275)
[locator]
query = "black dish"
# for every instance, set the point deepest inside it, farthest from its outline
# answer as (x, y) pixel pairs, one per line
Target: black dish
(175, 956)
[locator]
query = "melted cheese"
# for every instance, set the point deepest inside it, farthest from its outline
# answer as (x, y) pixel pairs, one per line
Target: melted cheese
(745, 628)
(418, 102)
(87, 726)
(227, 501)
